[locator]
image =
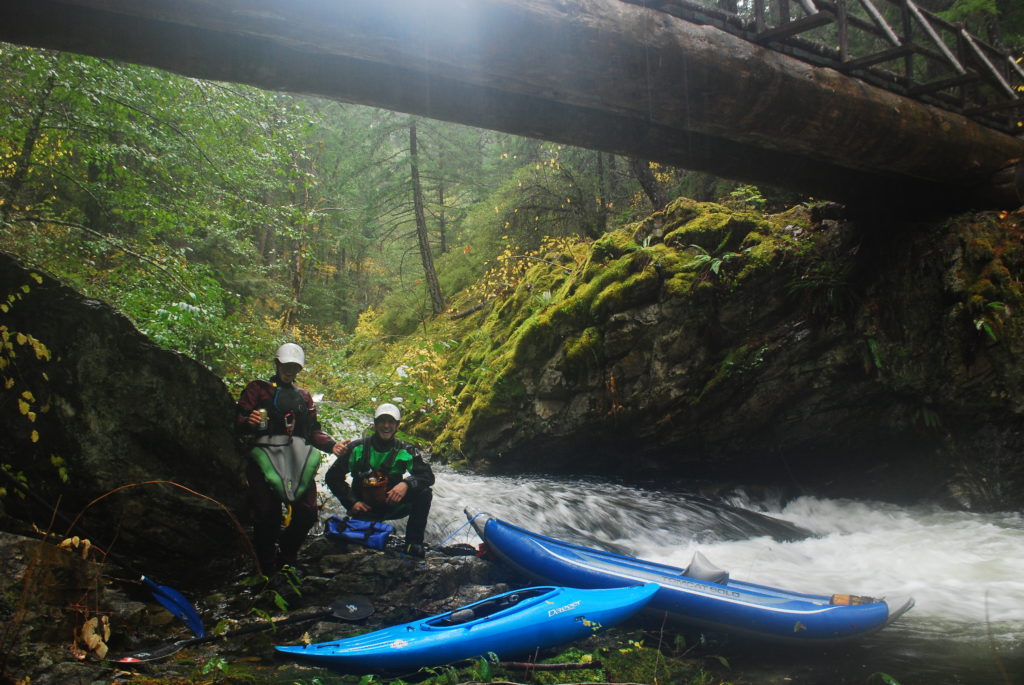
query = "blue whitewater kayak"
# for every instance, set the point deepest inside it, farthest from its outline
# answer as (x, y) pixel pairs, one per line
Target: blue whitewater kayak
(509, 624)
(701, 594)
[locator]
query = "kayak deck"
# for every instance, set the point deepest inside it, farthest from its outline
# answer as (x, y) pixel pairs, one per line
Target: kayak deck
(509, 624)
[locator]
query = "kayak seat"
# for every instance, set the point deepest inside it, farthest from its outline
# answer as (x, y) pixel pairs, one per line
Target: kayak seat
(461, 616)
(702, 569)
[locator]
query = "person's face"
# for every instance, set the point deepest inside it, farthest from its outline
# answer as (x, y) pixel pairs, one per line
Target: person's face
(385, 427)
(287, 372)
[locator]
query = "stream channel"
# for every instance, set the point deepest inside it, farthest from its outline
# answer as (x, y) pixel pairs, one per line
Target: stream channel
(965, 570)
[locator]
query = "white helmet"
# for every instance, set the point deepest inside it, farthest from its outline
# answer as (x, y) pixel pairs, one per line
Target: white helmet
(387, 410)
(290, 353)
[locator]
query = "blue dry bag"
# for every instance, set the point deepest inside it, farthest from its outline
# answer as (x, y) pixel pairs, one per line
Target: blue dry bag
(372, 534)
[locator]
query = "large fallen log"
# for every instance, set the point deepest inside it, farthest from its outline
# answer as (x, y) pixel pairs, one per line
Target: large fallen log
(601, 74)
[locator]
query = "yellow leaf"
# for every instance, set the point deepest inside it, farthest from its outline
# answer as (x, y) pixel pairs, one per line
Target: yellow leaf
(23, 407)
(21, 338)
(31, 416)
(35, 436)
(8, 384)
(28, 396)
(37, 277)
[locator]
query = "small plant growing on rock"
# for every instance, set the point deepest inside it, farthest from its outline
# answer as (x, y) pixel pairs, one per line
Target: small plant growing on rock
(706, 262)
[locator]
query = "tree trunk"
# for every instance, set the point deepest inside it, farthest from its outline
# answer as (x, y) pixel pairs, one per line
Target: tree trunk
(433, 287)
(442, 218)
(602, 195)
(642, 170)
(23, 161)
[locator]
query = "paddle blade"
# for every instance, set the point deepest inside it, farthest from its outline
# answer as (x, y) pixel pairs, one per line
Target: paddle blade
(351, 608)
(177, 605)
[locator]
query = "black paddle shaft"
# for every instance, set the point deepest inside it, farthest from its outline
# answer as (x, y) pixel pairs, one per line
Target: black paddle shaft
(345, 609)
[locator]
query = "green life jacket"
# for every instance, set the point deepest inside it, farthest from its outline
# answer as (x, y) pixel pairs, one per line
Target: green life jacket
(373, 471)
(365, 459)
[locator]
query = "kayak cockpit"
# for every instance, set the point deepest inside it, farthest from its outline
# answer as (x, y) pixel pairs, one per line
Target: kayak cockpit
(488, 607)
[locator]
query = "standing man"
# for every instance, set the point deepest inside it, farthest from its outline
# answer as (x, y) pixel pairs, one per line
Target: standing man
(390, 480)
(281, 417)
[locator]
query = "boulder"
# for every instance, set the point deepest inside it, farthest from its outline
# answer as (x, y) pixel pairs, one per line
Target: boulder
(828, 356)
(118, 440)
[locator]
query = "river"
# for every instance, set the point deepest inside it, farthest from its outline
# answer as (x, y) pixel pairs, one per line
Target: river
(965, 570)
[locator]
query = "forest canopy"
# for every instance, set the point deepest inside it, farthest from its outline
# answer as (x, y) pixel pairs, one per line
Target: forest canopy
(223, 219)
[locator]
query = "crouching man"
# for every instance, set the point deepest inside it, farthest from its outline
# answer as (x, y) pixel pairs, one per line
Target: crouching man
(390, 479)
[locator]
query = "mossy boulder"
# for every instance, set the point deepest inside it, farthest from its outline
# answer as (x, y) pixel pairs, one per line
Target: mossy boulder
(845, 356)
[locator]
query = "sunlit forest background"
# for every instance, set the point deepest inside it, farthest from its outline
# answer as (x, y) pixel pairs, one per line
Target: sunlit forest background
(223, 220)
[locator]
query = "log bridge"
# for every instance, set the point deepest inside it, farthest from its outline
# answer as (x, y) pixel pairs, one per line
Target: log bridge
(880, 107)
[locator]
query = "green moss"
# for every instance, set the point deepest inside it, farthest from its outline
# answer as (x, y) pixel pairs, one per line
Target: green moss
(680, 284)
(737, 361)
(571, 290)
(634, 291)
(583, 350)
(715, 229)
(614, 244)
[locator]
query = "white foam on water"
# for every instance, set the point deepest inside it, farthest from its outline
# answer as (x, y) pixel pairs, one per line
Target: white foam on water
(960, 567)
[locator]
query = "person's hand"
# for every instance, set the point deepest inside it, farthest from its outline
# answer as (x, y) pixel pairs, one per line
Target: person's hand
(397, 493)
(254, 418)
(360, 507)
(339, 447)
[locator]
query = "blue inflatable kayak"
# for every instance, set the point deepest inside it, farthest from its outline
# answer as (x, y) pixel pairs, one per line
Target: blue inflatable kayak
(701, 594)
(512, 623)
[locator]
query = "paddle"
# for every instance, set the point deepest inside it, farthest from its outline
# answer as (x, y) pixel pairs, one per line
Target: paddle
(170, 598)
(350, 608)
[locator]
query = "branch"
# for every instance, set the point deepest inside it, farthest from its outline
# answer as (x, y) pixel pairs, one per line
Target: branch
(466, 312)
(110, 239)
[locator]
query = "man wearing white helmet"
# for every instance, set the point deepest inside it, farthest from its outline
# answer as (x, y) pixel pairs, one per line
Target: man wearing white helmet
(281, 419)
(390, 479)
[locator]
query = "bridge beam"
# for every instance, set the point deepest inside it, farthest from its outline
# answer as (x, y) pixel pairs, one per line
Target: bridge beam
(601, 74)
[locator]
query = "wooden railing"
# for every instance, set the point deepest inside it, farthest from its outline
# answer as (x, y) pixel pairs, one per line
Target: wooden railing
(893, 44)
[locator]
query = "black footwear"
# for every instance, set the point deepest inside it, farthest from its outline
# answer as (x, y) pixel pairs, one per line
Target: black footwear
(414, 550)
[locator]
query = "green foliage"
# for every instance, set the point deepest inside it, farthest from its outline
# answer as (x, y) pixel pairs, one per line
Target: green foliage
(962, 10)
(876, 358)
(706, 263)
(746, 197)
(884, 678)
(825, 289)
(995, 312)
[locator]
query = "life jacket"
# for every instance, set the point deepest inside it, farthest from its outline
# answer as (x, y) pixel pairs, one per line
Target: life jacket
(282, 452)
(287, 412)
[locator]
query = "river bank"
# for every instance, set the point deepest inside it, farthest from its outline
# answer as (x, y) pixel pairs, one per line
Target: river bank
(961, 567)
